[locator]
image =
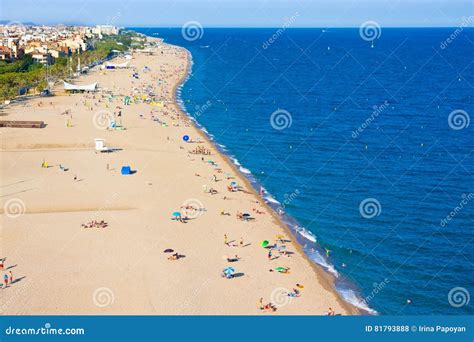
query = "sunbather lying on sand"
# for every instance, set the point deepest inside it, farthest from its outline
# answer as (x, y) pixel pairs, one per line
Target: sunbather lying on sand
(175, 256)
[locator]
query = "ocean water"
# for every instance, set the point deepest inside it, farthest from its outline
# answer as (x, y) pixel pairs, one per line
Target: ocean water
(367, 146)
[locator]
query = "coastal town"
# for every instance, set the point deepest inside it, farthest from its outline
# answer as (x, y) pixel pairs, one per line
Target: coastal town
(34, 58)
(47, 43)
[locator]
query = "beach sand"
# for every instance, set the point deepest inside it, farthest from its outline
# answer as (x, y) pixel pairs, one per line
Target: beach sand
(62, 268)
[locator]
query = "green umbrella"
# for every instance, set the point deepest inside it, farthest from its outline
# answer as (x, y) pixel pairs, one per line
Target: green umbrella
(264, 243)
(280, 269)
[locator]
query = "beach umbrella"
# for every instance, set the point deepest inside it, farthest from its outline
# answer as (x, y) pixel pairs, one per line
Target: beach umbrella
(229, 270)
(185, 137)
(264, 243)
(280, 269)
(246, 215)
(280, 236)
(168, 250)
(233, 183)
(176, 214)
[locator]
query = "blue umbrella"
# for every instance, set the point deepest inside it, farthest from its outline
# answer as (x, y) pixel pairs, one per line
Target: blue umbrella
(185, 137)
(176, 214)
(229, 270)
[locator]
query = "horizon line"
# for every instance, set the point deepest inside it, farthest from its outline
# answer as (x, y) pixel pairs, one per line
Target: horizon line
(174, 26)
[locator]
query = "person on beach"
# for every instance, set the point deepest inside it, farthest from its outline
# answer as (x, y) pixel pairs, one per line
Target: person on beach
(226, 242)
(175, 256)
(241, 242)
(5, 281)
(269, 254)
(11, 277)
(2, 264)
(331, 312)
(234, 259)
(260, 303)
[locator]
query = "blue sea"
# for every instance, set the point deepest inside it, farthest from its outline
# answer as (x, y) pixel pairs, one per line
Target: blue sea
(365, 144)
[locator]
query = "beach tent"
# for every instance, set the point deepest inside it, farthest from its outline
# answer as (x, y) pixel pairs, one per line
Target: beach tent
(74, 87)
(126, 170)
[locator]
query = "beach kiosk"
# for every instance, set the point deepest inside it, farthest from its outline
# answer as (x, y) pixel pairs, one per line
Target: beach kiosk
(100, 145)
(74, 88)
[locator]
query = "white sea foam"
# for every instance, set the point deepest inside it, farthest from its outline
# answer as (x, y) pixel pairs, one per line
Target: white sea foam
(271, 198)
(244, 170)
(235, 161)
(351, 297)
(321, 260)
(307, 235)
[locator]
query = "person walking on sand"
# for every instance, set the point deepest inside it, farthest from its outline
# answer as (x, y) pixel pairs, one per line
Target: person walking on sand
(11, 277)
(2, 264)
(5, 281)
(269, 254)
(226, 242)
(260, 303)
(241, 242)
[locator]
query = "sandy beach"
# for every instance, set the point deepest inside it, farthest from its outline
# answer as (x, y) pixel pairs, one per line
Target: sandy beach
(118, 266)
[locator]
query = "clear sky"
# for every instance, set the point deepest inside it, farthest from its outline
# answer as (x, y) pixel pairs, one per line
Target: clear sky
(240, 13)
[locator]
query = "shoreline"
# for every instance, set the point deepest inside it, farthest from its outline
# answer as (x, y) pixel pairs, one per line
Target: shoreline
(51, 232)
(328, 280)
